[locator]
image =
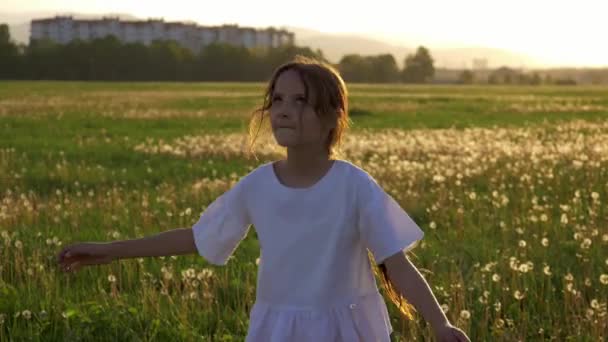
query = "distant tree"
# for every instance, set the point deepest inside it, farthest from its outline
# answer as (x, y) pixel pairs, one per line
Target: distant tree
(466, 77)
(111, 59)
(42, 60)
(9, 54)
(371, 69)
(354, 68)
(418, 67)
(535, 79)
(384, 69)
(169, 60)
(565, 81)
(223, 62)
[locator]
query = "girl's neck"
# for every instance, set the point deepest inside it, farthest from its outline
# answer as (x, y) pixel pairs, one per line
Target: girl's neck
(306, 162)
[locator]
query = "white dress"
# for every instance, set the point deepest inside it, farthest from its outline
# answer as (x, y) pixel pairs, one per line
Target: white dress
(315, 281)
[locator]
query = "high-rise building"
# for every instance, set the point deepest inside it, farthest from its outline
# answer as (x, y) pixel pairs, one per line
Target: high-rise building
(64, 29)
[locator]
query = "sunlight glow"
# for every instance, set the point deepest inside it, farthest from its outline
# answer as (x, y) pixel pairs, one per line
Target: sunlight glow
(555, 31)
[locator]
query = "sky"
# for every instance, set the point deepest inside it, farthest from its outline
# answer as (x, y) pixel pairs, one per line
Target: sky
(559, 32)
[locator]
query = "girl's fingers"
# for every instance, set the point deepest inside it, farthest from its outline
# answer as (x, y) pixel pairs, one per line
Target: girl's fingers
(73, 267)
(61, 254)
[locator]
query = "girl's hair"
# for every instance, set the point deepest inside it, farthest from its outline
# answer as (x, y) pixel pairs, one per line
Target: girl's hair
(328, 90)
(331, 105)
(404, 307)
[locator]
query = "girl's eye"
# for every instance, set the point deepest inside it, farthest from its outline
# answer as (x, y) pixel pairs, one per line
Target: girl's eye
(276, 98)
(301, 100)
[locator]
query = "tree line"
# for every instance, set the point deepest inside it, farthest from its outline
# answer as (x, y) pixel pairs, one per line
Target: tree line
(109, 59)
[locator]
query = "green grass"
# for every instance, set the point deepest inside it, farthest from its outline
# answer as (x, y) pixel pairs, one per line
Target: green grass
(69, 172)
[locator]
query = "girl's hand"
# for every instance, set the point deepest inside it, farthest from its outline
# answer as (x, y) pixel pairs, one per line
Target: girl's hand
(73, 257)
(449, 333)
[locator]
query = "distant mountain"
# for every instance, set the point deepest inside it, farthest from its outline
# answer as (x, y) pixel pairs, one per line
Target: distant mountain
(334, 46)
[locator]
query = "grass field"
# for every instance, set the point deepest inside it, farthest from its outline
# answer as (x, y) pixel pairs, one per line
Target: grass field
(510, 185)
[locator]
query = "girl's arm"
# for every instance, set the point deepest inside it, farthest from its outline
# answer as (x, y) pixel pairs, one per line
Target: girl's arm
(413, 287)
(172, 242)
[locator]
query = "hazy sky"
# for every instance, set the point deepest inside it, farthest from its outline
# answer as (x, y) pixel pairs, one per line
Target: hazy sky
(556, 31)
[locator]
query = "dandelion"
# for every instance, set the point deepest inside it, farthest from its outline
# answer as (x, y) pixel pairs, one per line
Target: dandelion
(497, 306)
(595, 304)
(472, 195)
(43, 315)
(193, 295)
(112, 278)
(544, 242)
(604, 279)
(465, 314)
(522, 243)
(564, 218)
(257, 261)
(495, 278)
(27, 314)
(523, 268)
(433, 225)
(19, 244)
(544, 217)
(547, 270)
(595, 196)
(189, 273)
(518, 295)
(586, 243)
(569, 277)
(605, 239)
(444, 308)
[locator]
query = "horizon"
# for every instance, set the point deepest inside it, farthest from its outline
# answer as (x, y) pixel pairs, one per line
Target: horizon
(571, 38)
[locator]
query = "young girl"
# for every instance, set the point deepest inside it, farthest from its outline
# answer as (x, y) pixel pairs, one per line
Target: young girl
(315, 216)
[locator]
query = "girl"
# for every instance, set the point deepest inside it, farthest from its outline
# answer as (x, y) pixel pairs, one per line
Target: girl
(315, 216)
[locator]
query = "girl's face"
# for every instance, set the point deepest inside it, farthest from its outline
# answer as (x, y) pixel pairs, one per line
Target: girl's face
(292, 115)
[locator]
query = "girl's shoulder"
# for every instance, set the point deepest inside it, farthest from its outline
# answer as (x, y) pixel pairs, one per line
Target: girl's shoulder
(357, 173)
(255, 173)
(366, 187)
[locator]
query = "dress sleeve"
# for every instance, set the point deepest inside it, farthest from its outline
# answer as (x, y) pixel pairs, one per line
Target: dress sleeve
(385, 228)
(222, 226)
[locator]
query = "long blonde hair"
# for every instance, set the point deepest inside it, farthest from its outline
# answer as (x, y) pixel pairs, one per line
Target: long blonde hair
(331, 99)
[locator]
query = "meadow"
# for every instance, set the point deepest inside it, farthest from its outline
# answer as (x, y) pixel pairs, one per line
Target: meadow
(510, 185)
